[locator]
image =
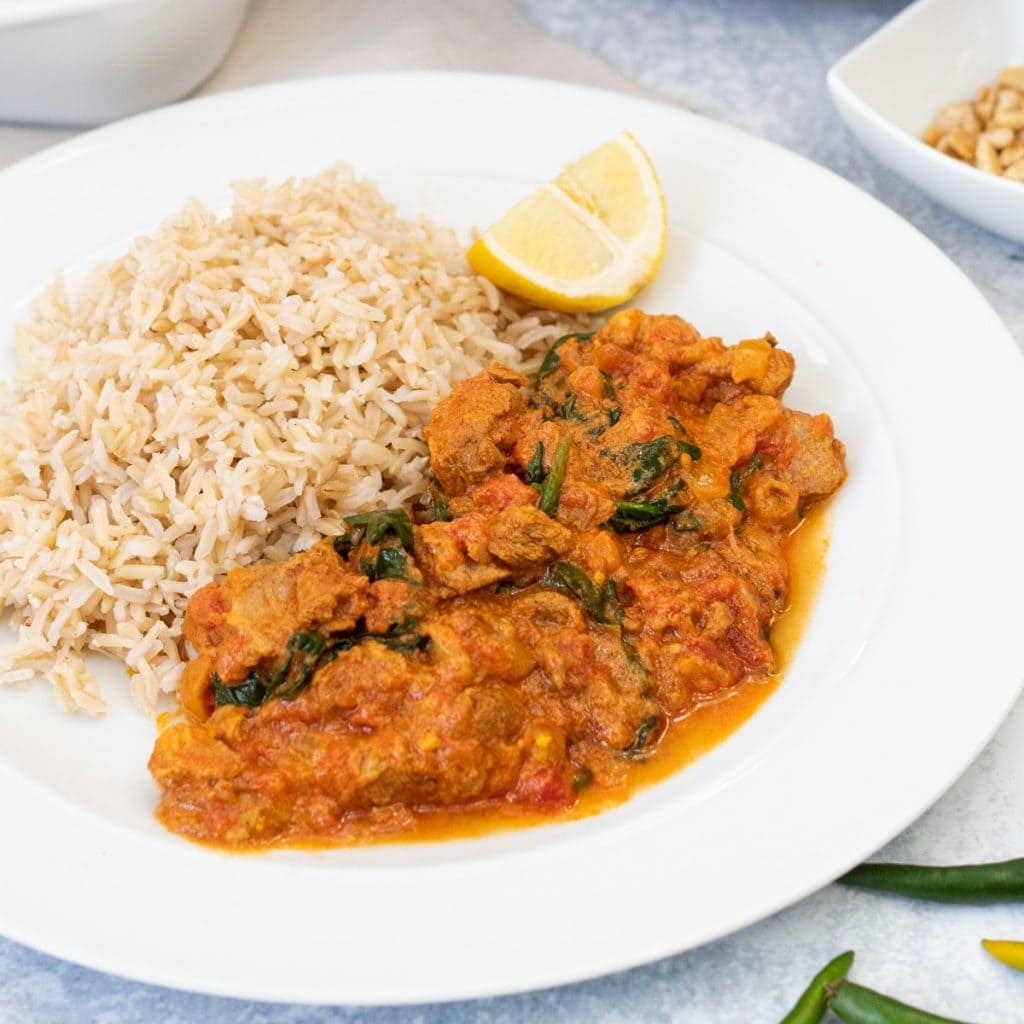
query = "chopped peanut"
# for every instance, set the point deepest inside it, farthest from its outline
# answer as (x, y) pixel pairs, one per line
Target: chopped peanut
(952, 116)
(987, 157)
(964, 143)
(1011, 154)
(987, 131)
(1013, 77)
(1008, 99)
(1001, 137)
(1008, 119)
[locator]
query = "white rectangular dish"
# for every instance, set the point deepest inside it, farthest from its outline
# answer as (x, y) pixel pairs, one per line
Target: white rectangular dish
(889, 88)
(90, 61)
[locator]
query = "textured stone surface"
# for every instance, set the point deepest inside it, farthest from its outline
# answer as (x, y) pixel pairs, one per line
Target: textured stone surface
(760, 66)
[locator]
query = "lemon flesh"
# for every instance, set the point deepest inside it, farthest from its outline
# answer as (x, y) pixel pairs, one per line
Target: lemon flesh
(588, 240)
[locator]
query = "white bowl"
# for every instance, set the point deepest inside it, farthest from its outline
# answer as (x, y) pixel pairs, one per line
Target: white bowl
(89, 61)
(889, 88)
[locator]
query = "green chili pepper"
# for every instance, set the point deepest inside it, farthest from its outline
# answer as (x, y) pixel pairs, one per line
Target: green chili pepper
(553, 484)
(968, 883)
(810, 1007)
(858, 1005)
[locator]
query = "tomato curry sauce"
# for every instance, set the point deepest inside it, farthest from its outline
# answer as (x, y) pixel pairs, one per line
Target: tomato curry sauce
(602, 556)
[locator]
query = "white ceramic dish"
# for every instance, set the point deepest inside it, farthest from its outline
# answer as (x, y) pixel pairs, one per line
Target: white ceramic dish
(889, 88)
(885, 704)
(89, 61)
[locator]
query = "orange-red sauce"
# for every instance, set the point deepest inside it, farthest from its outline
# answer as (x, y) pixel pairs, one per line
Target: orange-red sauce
(687, 739)
(684, 742)
(538, 652)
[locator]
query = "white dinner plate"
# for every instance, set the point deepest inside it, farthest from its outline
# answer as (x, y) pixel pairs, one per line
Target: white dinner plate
(909, 663)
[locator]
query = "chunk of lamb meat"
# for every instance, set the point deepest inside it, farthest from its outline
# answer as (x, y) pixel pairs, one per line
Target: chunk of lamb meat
(470, 433)
(806, 454)
(523, 535)
(454, 555)
(249, 617)
(477, 550)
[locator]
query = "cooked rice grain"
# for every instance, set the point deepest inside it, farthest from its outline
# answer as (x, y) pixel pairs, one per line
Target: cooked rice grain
(226, 392)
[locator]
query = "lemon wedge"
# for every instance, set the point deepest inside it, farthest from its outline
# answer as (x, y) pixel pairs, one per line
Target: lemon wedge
(588, 240)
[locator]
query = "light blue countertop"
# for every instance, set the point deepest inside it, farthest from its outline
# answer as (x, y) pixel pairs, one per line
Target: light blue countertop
(761, 66)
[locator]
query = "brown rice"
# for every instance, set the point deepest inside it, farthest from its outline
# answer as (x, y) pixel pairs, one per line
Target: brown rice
(227, 391)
